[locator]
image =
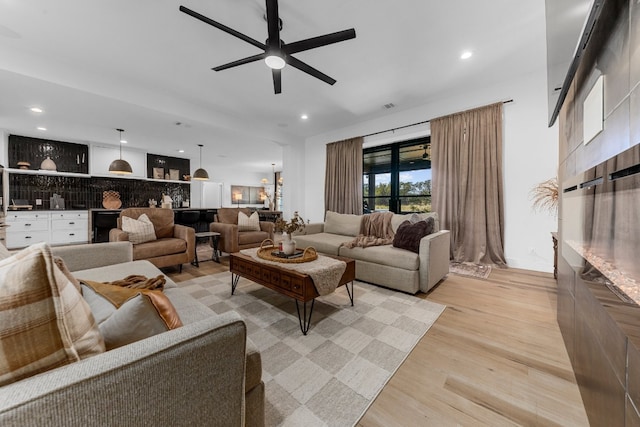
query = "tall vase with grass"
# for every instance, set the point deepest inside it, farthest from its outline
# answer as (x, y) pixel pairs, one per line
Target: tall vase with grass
(545, 197)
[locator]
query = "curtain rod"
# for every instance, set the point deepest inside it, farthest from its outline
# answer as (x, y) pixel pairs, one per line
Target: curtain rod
(413, 124)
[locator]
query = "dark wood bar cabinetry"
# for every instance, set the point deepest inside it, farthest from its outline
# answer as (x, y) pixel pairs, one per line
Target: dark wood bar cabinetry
(598, 272)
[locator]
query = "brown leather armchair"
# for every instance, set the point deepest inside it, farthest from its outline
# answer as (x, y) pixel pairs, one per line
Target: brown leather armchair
(176, 244)
(231, 239)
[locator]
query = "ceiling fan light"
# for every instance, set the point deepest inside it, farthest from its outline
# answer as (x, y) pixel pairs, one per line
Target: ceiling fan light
(275, 61)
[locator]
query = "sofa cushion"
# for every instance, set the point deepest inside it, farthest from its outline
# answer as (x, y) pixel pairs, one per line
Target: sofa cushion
(110, 273)
(139, 230)
(44, 322)
(248, 223)
(384, 255)
(327, 243)
(230, 215)
(251, 237)
(398, 219)
(128, 315)
(409, 234)
(345, 224)
(160, 247)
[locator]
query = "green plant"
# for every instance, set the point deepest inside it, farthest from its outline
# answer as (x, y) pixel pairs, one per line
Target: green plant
(296, 223)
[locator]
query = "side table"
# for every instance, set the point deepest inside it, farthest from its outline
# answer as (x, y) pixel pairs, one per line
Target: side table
(215, 238)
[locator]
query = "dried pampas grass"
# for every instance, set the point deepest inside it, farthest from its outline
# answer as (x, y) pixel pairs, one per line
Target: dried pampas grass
(545, 196)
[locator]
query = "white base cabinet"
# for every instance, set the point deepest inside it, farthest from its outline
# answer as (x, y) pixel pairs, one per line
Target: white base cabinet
(55, 227)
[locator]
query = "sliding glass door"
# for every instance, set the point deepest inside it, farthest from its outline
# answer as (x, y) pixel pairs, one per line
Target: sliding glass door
(397, 177)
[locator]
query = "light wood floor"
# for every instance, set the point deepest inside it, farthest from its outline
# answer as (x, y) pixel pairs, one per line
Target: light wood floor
(494, 357)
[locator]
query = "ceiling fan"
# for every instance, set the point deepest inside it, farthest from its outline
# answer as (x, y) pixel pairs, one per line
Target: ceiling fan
(277, 53)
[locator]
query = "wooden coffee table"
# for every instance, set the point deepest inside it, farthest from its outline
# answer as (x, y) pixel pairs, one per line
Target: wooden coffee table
(291, 283)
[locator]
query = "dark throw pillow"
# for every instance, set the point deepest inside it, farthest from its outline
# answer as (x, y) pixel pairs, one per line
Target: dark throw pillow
(408, 235)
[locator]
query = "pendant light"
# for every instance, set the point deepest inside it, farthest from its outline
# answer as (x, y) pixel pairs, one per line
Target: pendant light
(201, 174)
(120, 166)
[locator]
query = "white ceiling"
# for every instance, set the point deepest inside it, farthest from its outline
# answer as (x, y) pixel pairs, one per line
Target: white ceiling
(142, 65)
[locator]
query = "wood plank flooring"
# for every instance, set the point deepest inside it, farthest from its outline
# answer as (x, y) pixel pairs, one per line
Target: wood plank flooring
(494, 357)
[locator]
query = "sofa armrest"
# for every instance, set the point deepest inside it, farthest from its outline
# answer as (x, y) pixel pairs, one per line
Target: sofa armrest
(117, 235)
(312, 228)
(83, 257)
(192, 375)
(269, 227)
(228, 236)
(187, 234)
(434, 258)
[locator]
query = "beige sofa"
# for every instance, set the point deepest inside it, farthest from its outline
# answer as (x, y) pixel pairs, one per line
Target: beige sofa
(206, 372)
(383, 265)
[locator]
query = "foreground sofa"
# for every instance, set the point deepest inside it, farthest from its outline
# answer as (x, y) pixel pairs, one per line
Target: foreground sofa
(204, 373)
(385, 265)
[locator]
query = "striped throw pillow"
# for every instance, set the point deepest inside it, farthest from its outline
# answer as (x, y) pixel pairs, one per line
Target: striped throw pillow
(248, 223)
(139, 230)
(34, 336)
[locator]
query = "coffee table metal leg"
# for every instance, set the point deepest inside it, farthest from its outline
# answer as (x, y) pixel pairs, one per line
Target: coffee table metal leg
(351, 294)
(234, 282)
(305, 322)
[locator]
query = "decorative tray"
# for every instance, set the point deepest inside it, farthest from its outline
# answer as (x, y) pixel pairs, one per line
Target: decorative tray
(270, 252)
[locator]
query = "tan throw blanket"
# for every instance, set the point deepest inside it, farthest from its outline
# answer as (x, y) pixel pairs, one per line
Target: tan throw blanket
(375, 230)
(137, 281)
(324, 271)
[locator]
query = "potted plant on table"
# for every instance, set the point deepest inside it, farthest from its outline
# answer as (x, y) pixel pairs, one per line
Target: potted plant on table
(288, 228)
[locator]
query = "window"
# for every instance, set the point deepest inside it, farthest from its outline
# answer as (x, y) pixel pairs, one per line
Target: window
(397, 177)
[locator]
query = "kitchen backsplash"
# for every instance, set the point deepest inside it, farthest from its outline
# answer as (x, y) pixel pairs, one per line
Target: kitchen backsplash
(86, 192)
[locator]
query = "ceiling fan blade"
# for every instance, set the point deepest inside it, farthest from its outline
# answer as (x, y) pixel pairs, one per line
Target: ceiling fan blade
(240, 62)
(319, 41)
(277, 81)
(273, 24)
(296, 63)
(223, 27)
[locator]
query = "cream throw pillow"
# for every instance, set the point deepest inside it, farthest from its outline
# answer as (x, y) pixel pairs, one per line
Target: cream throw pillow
(139, 230)
(127, 315)
(44, 322)
(248, 223)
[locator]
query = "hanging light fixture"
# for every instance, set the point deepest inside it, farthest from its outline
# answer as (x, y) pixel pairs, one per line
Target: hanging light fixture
(425, 156)
(119, 165)
(201, 174)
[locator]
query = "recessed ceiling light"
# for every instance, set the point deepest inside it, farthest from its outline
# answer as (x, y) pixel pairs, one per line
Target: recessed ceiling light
(180, 151)
(304, 117)
(41, 128)
(466, 54)
(36, 110)
(123, 141)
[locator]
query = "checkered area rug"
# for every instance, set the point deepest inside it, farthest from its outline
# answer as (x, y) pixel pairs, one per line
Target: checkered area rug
(330, 376)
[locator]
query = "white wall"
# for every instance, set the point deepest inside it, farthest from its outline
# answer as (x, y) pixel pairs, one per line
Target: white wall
(530, 156)
(229, 176)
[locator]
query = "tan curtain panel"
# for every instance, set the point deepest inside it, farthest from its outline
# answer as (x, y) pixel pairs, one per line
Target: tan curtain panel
(343, 177)
(467, 183)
